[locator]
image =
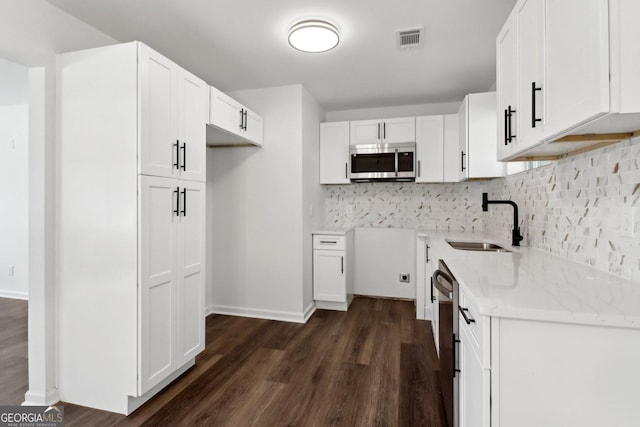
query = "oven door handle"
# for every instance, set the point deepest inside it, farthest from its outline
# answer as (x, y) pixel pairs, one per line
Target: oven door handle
(439, 286)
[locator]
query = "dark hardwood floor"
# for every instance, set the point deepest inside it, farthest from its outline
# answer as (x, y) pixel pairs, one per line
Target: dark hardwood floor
(375, 365)
(14, 376)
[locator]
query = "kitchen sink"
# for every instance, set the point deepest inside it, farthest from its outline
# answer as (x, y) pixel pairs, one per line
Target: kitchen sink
(477, 246)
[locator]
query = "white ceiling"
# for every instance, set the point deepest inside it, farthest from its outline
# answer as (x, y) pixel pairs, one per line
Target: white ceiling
(242, 44)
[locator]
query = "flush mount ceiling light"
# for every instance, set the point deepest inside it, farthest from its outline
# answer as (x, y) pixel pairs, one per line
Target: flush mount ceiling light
(314, 36)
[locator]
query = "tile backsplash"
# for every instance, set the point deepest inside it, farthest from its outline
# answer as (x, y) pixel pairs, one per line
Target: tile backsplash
(577, 208)
(454, 207)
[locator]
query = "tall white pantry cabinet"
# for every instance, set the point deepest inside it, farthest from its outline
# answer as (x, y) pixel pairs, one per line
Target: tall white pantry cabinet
(131, 224)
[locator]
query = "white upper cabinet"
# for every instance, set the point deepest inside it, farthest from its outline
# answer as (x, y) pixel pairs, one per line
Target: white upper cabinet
(159, 145)
(577, 53)
(478, 137)
(231, 123)
(397, 130)
(430, 148)
(507, 87)
(530, 121)
(451, 148)
(575, 65)
(173, 107)
(192, 113)
(334, 153)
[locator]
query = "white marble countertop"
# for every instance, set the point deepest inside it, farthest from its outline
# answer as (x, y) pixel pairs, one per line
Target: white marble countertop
(332, 231)
(530, 284)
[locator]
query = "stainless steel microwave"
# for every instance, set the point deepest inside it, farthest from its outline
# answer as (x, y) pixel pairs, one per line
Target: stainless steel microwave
(382, 162)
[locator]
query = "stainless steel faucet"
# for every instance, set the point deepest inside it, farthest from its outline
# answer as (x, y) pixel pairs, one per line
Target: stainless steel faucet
(516, 237)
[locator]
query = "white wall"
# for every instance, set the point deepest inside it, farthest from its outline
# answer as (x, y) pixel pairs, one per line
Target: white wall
(395, 111)
(255, 215)
(14, 215)
(38, 31)
(312, 194)
(380, 255)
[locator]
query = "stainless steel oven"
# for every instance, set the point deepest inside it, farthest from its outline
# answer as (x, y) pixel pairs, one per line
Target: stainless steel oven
(448, 302)
(383, 162)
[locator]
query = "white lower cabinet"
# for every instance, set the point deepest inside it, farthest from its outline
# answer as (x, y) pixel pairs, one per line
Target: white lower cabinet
(333, 270)
(426, 294)
(531, 373)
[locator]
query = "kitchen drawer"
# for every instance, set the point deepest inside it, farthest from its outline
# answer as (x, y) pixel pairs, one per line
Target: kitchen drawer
(328, 242)
(475, 325)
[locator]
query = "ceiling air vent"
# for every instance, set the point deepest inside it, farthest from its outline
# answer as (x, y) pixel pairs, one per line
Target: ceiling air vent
(411, 37)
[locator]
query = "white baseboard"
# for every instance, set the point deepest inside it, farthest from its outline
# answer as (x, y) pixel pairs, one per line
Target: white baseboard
(308, 312)
(14, 294)
(41, 399)
(257, 313)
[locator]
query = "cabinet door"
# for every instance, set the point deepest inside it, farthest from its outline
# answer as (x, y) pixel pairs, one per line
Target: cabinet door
(463, 141)
(192, 119)
(402, 129)
(529, 15)
(507, 89)
(158, 247)
(158, 109)
(329, 276)
(190, 271)
(253, 124)
(576, 62)
(430, 148)
(366, 132)
(482, 161)
(451, 148)
(334, 153)
(472, 412)
(224, 112)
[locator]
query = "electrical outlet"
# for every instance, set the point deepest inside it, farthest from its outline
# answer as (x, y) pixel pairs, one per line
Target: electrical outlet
(404, 277)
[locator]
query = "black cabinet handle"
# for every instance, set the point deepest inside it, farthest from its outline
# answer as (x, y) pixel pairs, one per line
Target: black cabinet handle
(184, 156)
(177, 209)
(534, 89)
(184, 202)
(177, 163)
(427, 256)
(433, 298)
(462, 161)
(467, 319)
(342, 264)
(378, 130)
(384, 130)
(506, 127)
(242, 119)
(418, 168)
(346, 170)
(245, 120)
(510, 116)
(453, 342)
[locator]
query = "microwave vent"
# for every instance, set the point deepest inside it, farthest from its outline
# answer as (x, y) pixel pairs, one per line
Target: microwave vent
(411, 37)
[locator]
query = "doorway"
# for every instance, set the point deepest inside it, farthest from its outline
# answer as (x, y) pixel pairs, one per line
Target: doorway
(14, 230)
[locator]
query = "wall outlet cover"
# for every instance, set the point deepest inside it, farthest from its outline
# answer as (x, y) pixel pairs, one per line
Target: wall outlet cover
(404, 277)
